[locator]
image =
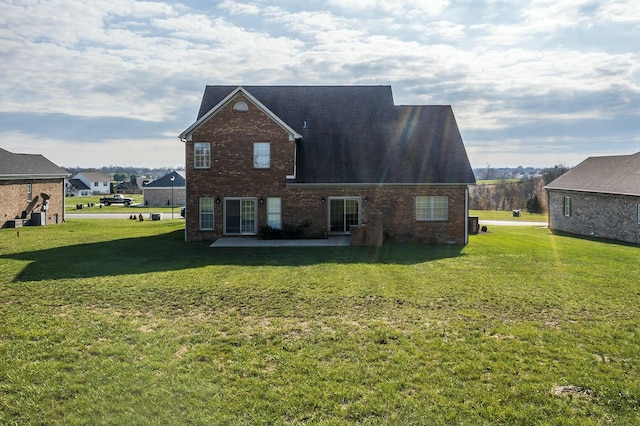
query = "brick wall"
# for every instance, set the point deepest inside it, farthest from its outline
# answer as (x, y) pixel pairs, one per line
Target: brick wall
(232, 135)
(13, 199)
(599, 215)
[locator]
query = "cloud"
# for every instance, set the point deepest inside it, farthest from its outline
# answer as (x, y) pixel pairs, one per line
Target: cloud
(545, 70)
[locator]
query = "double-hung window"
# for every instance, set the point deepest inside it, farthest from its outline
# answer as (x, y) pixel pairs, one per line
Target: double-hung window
(261, 155)
(432, 207)
(567, 206)
(201, 155)
(29, 192)
(274, 212)
(206, 213)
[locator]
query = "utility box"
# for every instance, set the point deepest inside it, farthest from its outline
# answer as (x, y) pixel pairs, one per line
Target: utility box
(474, 225)
(38, 218)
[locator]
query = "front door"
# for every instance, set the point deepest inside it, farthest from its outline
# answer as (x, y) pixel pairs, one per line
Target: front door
(344, 212)
(240, 216)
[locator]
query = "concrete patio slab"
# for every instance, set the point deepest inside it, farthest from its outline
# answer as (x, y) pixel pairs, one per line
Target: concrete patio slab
(255, 242)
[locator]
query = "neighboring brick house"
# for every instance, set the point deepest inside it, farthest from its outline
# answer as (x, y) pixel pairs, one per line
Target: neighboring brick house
(31, 190)
(165, 191)
(323, 159)
(599, 197)
(99, 183)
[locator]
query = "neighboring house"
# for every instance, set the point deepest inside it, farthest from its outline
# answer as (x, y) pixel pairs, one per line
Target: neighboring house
(133, 186)
(323, 160)
(31, 190)
(165, 191)
(77, 188)
(599, 197)
(98, 182)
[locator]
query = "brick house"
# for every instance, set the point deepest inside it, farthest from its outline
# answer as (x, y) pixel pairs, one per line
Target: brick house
(323, 160)
(31, 190)
(599, 197)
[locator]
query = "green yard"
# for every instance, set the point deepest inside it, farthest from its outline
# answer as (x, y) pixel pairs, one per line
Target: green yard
(120, 322)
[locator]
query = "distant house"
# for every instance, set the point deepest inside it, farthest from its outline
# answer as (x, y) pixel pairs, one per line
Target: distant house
(31, 190)
(77, 188)
(132, 186)
(166, 191)
(599, 197)
(324, 161)
(98, 182)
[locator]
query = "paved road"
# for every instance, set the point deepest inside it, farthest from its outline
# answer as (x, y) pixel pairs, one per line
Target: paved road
(68, 216)
(511, 223)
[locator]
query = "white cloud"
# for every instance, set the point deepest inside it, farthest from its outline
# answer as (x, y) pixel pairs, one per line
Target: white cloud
(501, 64)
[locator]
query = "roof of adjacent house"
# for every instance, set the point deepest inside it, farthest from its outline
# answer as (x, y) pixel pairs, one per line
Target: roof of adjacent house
(28, 166)
(618, 174)
(92, 176)
(357, 135)
(165, 181)
(78, 184)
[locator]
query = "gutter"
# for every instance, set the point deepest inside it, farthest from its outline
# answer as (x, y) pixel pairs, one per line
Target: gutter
(294, 185)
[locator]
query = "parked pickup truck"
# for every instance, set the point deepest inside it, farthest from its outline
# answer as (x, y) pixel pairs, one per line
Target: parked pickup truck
(116, 199)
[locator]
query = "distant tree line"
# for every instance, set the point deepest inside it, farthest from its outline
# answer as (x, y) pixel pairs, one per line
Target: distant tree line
(527, 193)
(124, 173)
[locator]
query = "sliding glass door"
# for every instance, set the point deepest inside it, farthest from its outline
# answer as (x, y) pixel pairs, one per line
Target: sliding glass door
(344, 212)
(240, 216)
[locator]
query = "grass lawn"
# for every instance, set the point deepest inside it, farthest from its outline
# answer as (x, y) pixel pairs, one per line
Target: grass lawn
(121, 322)
(137, 207)
(508, 215)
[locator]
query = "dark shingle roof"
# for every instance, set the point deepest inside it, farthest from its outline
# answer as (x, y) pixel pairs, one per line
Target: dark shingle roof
(32, 166)
(78, 184)
(618, 174)
(165, 181)
(355, 134)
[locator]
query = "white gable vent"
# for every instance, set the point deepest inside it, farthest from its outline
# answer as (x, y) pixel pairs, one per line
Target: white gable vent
(241, 106)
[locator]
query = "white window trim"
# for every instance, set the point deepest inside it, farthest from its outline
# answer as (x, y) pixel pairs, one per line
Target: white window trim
(255, 215)
(206, 159)
(431, 208)
(272, 204)
(259, 154)
(201, 213)
(638, 214)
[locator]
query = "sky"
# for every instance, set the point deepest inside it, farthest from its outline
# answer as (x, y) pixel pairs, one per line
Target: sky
(114, 82)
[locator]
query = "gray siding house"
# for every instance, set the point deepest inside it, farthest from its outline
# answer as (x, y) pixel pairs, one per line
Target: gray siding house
(600, 197)
(166, 191)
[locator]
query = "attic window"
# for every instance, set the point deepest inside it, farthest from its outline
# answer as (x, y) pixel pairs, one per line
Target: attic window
(241, 106)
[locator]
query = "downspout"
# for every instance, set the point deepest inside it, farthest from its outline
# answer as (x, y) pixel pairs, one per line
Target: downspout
(466, 214)
(64, 200)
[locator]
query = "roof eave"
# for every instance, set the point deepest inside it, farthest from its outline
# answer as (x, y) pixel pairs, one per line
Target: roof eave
(34, 177)
(593, 191)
